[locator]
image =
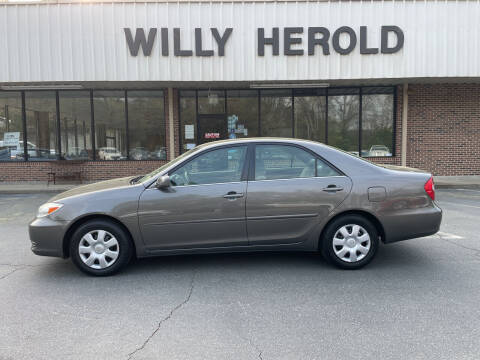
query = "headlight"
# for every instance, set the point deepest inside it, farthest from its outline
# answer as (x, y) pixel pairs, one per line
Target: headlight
(48, 208)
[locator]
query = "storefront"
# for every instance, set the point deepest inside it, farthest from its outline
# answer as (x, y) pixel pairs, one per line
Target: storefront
(115, 89)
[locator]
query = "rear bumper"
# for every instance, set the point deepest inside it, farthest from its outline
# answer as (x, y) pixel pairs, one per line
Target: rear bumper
(46, 236)
(414, 224)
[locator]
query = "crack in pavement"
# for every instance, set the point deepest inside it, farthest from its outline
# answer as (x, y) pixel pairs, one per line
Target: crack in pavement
(252, 344)
(166, 318)
(476, 251)
(15, 269)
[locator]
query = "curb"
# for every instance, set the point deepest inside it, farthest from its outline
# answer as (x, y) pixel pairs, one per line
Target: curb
(32, 191)
(458, 186)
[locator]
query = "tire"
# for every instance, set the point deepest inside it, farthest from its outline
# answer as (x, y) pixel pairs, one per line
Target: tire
(100, 248)
(350, 242)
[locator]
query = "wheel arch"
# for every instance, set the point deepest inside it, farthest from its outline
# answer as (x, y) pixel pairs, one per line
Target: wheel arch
(75, 225)
(369, 216)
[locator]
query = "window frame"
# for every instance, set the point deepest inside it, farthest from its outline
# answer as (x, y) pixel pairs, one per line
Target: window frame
(251, 172)
(294, 92)
(245, 170)
(92, 122)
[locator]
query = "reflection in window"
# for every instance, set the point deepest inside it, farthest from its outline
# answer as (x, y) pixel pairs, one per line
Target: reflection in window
(310, 113)
(11, 128)
(242, 117)
(211, 102)
(41, 125)
(146, 125)
(75, 125)
(217, 166)
(276, 113)
(110, 124)
(377, 125)
(343, 122)
(188, 120)
(282, 162)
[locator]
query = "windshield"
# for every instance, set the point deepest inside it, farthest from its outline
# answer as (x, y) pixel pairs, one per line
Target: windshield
(163, 167)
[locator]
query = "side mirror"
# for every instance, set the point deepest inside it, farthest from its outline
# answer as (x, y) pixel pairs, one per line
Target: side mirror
(163, 182)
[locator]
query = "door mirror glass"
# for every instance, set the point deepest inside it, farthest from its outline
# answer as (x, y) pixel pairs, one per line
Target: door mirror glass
(163, 182)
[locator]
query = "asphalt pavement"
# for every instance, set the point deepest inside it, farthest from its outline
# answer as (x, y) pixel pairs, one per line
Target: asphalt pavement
(419, 299)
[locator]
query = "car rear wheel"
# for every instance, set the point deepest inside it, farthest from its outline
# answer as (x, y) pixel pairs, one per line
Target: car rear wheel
(100, 248)
(350, 242)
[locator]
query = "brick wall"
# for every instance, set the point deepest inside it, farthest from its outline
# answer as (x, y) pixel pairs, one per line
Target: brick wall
(90, 170)
(444, 128)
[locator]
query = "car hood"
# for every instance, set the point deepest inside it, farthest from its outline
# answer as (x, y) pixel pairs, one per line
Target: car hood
(98, 186)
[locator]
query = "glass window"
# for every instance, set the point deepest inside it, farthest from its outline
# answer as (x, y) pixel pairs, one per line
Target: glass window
(41, 112)
(377, 125)
(242, 117)
(211, 102)
(276, 113)
(110, 125)
(216, 166)
(343, 122)
(11, 128)
(75, 125)
(188, 120)
(146, 125)
(310, 113)
(325, 170)
(283, 162)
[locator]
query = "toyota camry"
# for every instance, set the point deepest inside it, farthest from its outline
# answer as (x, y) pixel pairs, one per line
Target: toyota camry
(241, 195)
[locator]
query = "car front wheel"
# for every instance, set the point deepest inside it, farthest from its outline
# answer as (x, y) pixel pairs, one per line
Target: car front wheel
(100, 248)
(350, 242)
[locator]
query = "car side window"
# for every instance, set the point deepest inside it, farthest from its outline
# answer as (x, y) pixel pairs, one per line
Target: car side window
(216, 166)
(288, 162)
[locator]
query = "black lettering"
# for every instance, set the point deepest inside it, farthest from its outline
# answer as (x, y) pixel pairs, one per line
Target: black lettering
(140, 40)
(164, 34)
(262, 41)
(364, 49)
(323, 41)
(221, 40)
(288, 41)
(198, 44)
(400, 39)
(336, 40)
(176, 45)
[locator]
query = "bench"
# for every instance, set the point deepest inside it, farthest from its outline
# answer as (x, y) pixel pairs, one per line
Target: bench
(74, 176)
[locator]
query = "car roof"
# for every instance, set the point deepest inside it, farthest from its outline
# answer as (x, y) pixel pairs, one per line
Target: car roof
(258, 140)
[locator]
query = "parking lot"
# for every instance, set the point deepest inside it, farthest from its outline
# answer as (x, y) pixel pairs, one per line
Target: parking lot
(418, 299)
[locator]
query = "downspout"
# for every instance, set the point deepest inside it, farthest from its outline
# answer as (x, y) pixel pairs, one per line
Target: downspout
(404, 124)
(171, 132)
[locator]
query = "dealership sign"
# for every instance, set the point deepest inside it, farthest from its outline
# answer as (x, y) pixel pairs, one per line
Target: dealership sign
(295, 40)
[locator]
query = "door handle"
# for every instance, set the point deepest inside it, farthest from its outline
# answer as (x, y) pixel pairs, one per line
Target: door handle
(332, 188)
(233, 195)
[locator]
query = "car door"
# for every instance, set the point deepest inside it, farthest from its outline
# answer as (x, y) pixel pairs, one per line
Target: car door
(290, 190)
(203, 207)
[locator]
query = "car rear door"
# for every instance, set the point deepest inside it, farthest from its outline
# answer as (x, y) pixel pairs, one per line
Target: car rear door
(290, 190)
(204, 207)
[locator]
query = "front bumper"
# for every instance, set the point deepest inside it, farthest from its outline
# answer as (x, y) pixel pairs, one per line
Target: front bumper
(47, 235)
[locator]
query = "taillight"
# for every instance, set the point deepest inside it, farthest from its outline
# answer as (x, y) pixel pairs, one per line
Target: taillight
(430, 188)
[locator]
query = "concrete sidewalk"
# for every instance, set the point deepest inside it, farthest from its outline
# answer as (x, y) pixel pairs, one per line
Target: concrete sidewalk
(445, 182)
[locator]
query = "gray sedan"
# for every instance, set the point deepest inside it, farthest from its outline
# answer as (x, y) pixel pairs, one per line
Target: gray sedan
(240, 195)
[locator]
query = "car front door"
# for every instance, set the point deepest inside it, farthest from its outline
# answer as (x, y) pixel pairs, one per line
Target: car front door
(203, 207)
(290, 192)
